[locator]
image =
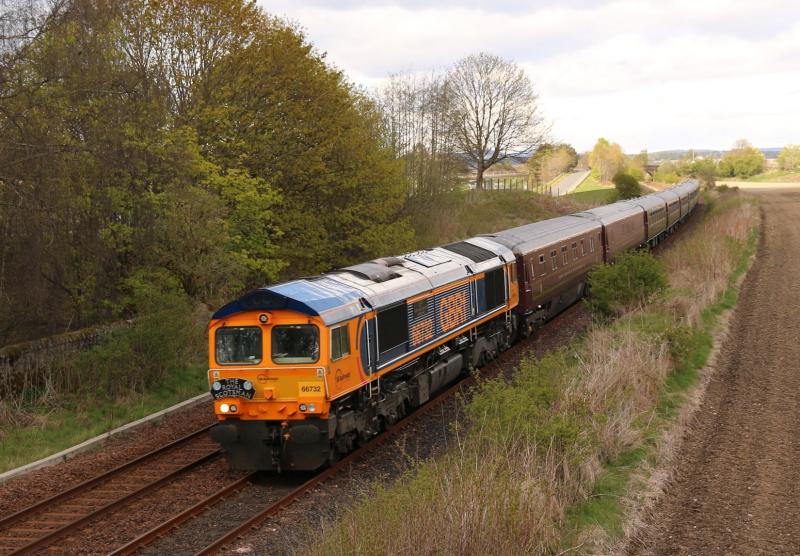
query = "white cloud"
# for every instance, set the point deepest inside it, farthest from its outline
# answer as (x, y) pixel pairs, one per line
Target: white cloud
(648, 74)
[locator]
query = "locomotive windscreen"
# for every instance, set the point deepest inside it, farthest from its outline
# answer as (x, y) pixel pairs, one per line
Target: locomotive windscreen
(238, 345)
(295, 343)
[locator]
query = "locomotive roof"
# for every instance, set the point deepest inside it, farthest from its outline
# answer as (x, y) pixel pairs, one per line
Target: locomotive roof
(530, 237)
(351, 291)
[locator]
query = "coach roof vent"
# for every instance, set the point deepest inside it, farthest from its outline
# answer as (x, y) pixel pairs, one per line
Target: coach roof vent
(472, 252)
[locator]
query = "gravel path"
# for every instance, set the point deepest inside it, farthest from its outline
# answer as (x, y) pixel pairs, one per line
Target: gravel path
(737, 485)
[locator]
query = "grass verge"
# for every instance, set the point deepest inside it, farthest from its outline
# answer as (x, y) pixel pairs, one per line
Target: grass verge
(461, 214)
(592, 191)
(78, 418)
(546, 456)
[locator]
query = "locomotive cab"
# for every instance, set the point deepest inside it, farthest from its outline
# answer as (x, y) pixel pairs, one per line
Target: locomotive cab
(268, 377)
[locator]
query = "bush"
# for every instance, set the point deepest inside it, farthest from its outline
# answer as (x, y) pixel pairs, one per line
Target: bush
(632, 280)
(164, 335)
(627, 186)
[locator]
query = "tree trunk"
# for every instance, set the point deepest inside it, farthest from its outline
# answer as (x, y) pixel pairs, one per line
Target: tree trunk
(479, 178)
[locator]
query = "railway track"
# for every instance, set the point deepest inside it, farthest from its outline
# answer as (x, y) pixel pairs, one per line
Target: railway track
(284, 501)
(38, 526)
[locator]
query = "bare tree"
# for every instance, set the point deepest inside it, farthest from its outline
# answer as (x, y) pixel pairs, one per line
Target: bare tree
(415, 110)
(494, 113)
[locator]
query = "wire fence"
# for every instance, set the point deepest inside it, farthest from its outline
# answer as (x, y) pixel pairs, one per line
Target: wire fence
(522, 182)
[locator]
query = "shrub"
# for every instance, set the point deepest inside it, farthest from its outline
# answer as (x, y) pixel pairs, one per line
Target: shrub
(627, 186)
(164, 336)
(633, 279)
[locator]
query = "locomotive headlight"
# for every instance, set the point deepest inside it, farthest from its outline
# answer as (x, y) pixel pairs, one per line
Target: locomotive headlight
(224, 408)
(312, 407)
(217, 386)
(303, 407)
(233, 408)
(247, 385)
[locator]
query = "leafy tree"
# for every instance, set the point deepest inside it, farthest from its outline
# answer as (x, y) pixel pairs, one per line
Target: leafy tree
(606, 159)
(635, 165)
(667, 172)
(742, 161)
(705, 170)
(550, 160)
(201, 141)
(627, 186)
(280, 112)
(789, 158)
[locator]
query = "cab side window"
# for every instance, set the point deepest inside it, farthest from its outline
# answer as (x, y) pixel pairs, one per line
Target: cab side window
(340, 343)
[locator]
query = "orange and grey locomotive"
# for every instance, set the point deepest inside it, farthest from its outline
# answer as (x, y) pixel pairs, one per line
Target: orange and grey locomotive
(304, 371)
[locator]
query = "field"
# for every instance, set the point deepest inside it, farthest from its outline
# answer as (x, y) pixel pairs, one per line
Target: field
(736, 475)
(592, 191)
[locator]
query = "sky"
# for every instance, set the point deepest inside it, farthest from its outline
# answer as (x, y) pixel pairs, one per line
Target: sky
(646, 74)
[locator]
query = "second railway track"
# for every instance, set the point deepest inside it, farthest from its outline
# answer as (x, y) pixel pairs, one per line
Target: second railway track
(36, 527)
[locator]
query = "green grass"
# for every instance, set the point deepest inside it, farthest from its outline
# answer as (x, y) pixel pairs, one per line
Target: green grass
(592, 191)
(462, 214)
(594, 197)
(79, 418)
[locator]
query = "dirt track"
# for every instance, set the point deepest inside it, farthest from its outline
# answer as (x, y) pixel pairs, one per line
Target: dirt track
(737, 486)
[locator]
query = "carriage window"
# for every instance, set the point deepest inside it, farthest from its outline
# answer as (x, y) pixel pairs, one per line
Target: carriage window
(240, 345)
(564, 254)
(591, 244)
(583, 248)
(295, 343)
(533, 274)
(574, 250)
(553, 260)
(340, 343)
(541, 259)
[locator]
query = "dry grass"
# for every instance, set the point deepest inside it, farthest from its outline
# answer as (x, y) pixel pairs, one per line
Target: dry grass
(703, 262)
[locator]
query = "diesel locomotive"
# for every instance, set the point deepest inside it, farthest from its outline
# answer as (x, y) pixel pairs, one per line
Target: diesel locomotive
(304, 371)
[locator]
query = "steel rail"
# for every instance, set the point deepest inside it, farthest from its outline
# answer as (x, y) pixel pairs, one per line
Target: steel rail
(51, 536)
(143, 540)
(333, 470)
(86, 485)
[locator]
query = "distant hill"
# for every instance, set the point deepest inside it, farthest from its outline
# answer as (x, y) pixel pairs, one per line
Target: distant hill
(677, 154)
